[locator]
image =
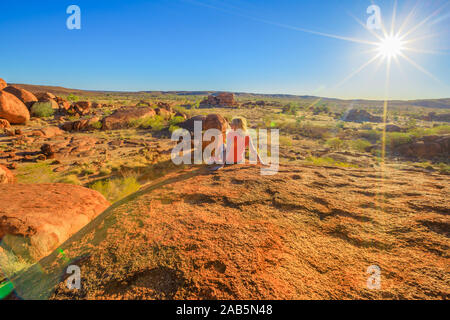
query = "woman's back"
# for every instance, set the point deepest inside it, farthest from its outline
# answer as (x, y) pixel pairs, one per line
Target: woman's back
(237, 142)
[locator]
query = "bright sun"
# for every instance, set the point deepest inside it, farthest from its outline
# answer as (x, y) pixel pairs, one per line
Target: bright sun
(390, 46)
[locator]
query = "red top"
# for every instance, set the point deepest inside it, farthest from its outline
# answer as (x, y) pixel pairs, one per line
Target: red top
(236, 143)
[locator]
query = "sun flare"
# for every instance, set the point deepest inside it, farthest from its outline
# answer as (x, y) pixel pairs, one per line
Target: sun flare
(390, 46)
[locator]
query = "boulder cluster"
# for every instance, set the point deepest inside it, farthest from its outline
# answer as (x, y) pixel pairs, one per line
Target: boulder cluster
(355, 115)
(223, 99)
(119, 119)
(16, 105)
(429, 147)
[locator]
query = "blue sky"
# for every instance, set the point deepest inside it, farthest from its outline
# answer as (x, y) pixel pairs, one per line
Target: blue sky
(236, 45)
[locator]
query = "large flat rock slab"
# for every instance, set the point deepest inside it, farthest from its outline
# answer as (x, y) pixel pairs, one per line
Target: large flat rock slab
(307, 232)
(36, 218)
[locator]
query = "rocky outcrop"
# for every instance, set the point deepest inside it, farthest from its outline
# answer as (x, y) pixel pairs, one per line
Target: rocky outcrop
(45, 96)
(222, 99)
(12, 109)
(23, 95)
(3, 84)
(215, 121)
(63, 104)
(4, 124)
(96, 105)
(36, 218)
(211, 121)
(164, 113)
(393, 128)
(6, 176)
(93, 123)
(122, 117)
(430, 147)
(48, 132)
(355, 115)
(189, 123)
(75, 147)
(80, 108)
(165, 105)
(236, 234)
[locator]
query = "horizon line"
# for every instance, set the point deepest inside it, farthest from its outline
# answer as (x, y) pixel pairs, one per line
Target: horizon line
(235, 92)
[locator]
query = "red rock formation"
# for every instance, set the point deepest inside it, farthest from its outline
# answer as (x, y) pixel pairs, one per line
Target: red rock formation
(429, 147)
(81, 108)
(355, 115)
(6, 176)
(3, 84)
(82, 125)
(23, 95)
(121, 118)
(36, 218)
(222, 99)
(12, 109)
(166, 114)
(4, 124)
(238, 235)
(45, 96)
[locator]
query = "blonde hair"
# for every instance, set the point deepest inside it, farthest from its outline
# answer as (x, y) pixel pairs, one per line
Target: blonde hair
(240, 123)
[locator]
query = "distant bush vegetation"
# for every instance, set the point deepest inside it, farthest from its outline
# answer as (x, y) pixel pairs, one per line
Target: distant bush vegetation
(335, 144)
(395, 139)
(305, 129)
(42, 109)
(325, 161)
(360, 145)
(72, 98)
(154, 122)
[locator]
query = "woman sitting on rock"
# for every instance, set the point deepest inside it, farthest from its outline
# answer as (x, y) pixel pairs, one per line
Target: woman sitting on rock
(237, 142)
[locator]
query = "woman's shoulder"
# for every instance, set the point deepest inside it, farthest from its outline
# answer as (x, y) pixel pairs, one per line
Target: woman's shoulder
(238, 133)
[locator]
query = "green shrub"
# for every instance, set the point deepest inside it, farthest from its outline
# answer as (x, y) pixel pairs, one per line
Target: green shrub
(116, 189)
(42, 109)
(325, 161)
(173, 128)
(371, 135)
(395, 139)
(422, 132)
(176, 120)
(72, 98)
(305, 129)
(359, 145)
(97, 125)
(36, 173)
(335, 143)
(444, 168)
(105, 171)
(155, 123)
